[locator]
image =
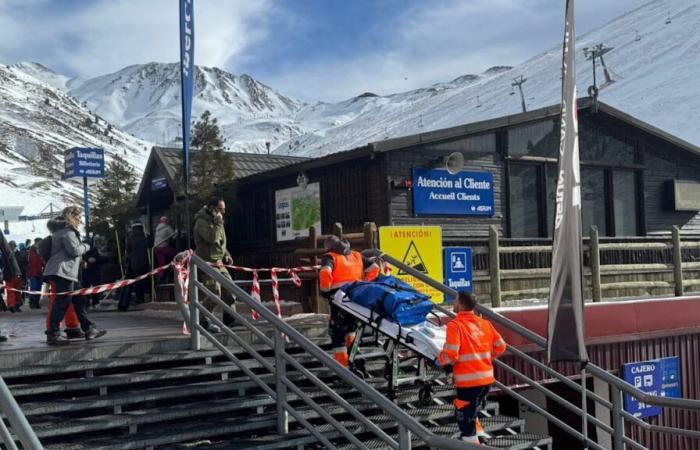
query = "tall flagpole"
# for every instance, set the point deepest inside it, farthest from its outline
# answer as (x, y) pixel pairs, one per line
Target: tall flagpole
(187, 75)
(565, 340)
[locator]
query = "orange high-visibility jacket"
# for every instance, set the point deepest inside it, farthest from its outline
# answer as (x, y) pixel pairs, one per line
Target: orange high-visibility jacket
(471, 345)
(338, 269)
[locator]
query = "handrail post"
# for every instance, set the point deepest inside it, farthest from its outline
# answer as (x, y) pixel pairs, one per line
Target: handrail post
(618, 423)
(318, 305)
(280, 387)
(404, 438)
(195, 341)
(594, 251)
(677, 261)
(18, 421)
(494, 267)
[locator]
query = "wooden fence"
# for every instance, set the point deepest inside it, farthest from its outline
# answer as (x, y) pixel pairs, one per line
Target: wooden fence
(617, 268)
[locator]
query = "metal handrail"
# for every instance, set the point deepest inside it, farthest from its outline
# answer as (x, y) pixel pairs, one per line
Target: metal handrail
(618, 385)
(407, 425)
(20, 426)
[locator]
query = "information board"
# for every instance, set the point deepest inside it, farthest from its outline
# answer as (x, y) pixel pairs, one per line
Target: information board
(458, 269)
(296, 210)
(660, 377)
(84, 162)
(419, 248)
(437, 192)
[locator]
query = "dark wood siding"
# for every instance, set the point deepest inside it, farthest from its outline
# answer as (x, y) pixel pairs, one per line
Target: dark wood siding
(400, 164)
(664, 163)
(352, 193)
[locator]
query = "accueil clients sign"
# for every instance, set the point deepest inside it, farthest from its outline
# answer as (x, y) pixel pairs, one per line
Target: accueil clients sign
(436, 191)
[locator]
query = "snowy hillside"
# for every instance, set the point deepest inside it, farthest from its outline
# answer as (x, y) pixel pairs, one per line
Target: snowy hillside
(654, 65)
(145, 100)
(37, 123)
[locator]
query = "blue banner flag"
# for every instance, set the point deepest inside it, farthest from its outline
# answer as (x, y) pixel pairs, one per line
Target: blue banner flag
(187, 75)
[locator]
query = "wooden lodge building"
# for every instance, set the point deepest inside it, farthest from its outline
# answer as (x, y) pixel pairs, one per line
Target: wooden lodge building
(637, 180)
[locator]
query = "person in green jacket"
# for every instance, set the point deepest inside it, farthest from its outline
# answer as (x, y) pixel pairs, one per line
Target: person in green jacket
(210, 243)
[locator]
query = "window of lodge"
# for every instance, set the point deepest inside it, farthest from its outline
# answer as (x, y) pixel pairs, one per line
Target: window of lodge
(610, 182)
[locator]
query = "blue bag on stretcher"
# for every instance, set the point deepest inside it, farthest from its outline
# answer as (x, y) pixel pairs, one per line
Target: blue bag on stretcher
(391, 298)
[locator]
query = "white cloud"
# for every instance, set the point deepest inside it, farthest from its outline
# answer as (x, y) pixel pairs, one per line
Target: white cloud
(429, 42)
(105, 36)
(441, 40)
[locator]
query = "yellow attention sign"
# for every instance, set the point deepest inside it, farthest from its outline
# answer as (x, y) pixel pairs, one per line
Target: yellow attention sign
(418, 247)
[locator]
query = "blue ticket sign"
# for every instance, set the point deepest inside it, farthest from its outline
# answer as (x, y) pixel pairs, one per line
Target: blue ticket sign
(84, 162)
(437, 192)
(660, 377)
(458, 269)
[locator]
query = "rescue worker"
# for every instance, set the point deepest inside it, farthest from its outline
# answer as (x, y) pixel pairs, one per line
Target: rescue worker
(340, 266)
(210, 243)
(470, 347)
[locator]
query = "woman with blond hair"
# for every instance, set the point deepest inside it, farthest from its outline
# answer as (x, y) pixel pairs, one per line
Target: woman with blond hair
(62, 273)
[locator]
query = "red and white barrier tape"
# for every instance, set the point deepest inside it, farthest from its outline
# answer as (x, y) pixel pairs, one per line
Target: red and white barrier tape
(97, 289)
(182, 272)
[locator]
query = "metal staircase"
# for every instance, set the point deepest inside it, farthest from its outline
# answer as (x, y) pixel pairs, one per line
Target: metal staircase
(276, 390)
(200, 399)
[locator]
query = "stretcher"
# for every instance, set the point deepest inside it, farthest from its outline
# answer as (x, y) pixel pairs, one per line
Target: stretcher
(423, 341)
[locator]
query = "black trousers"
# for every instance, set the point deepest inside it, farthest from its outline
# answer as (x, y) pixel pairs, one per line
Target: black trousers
(60, 305)
(467, 405)
(340, 324)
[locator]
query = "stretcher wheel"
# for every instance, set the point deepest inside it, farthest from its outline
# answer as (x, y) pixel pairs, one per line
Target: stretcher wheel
(360, 368)
(425, 395)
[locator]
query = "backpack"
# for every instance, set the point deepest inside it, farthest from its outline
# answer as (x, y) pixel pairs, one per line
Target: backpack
(391, 298)
(44, 248)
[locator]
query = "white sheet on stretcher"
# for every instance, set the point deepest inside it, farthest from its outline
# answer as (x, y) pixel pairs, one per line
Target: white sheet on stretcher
(425, 338)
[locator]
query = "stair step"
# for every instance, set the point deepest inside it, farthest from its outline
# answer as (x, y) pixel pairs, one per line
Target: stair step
(491, 425)
(520, 441)
(61, 427)
(140, 396)
(183, 433)
(112, 380)
(126, 379)
(185, 356)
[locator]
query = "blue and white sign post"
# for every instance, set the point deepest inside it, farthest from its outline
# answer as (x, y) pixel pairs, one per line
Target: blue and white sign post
(437, 192)
(458, 269)
(660, 377)
(87, 163)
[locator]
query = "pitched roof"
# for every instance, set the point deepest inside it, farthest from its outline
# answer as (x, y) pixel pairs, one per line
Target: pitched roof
(169, 160)
(403, 142)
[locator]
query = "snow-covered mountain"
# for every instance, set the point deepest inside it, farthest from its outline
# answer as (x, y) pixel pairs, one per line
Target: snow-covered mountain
(145, 100)
(654, 67)
(654, 64)
(37, 123)
(48, 76)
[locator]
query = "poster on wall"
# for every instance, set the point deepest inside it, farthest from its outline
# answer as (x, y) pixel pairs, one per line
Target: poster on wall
(296, 210)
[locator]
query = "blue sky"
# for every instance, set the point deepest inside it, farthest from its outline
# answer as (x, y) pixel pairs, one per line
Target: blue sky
(311, 49)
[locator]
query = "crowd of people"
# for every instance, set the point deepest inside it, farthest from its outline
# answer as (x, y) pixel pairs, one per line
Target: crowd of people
(65, 261)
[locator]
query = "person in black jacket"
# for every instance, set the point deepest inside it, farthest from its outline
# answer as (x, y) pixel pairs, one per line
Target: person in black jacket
(137, 263)
(11, 275)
